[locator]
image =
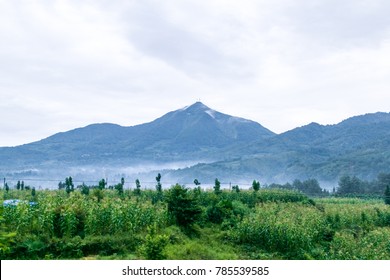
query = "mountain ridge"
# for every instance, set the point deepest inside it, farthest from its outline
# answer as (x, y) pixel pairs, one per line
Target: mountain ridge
(359, 145)
(221, 144)
(188, 132)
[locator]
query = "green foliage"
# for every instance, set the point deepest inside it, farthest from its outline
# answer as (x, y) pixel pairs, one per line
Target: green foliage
(158, 183)
(155, 244)
(255, 185)
(33, 192)
(269, 223)
(69, 186)
(387, 195)
(84, 189)
(137, 190)
(183, 206)
(279, 195)
(6, 237)
(218, 212)
(98, 194)
(119, 187)
(375, 245)
(287, 228)
(217, 187)
(310, 187)
(102, 184)
(200, 249)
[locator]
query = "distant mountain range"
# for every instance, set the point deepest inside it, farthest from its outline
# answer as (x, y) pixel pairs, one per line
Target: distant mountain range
(224, 146)
(357, 146)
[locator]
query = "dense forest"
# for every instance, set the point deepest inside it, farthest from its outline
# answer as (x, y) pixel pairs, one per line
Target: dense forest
(263, 222)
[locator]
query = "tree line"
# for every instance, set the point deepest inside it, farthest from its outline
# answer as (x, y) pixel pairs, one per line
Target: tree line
(347, 186)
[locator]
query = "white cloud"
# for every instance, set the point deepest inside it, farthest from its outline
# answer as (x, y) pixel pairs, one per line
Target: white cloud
(282, 63)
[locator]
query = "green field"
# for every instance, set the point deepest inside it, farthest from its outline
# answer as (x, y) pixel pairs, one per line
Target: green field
(181, 223)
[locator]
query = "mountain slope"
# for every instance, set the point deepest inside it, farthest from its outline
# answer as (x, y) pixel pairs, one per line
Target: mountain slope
(357, 146)
(229, 147)
(193, 132)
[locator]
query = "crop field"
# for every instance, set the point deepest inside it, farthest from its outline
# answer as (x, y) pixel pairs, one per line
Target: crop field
(183, 223)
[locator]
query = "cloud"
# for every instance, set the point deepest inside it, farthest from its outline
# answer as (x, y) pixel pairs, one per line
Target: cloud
(282, 63)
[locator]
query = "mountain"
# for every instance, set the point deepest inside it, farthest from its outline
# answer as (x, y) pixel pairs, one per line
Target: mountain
(357, 146)
(199, 142)
(195, 132)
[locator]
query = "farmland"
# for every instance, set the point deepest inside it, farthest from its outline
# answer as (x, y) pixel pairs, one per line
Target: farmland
(191, 223)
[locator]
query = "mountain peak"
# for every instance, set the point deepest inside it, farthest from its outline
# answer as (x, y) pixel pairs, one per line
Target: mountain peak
(197, 106)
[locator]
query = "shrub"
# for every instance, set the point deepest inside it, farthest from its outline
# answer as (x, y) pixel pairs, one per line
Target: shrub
(218, 212)
(183, 207)
(154, 245)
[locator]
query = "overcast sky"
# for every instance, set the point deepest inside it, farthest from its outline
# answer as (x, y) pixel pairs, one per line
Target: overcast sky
(282, 63)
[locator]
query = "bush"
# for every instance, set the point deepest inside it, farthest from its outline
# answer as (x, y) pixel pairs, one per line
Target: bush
(155, 244)
(183, 207)
(218, 212)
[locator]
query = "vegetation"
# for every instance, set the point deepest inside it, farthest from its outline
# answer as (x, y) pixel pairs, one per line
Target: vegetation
(183, 206)
(95, 222)
(387, 195)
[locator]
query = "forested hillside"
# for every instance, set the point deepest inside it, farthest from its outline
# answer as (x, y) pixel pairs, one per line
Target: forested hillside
(205, 143)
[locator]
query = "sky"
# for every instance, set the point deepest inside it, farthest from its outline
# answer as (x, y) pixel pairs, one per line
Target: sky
(281, 63)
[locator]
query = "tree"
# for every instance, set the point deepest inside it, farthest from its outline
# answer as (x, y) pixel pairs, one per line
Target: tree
(382, 182)
(217, 187)
(255, 185)
(183, 207)
(119, 187)
(158, 185)
(18, 185)
(6, 187)
(350, 185)
(287, 186)
(387, 195)
(22, 185)
(310, 187)
(137, 190)
(384, 178)
(61, 185)
(196, 182)
(345, 185)
(297, 185)
(236, 188)
(102, 184)
(33, 192)
(197, 189)
(218, 212)
(69, 187)
(84, 189)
